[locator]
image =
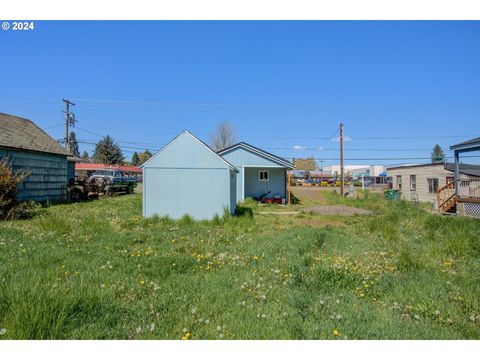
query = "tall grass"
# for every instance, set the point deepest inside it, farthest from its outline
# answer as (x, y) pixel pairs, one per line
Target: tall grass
(98, 270)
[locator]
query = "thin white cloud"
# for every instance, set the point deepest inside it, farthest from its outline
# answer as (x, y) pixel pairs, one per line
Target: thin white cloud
(299, 147)
(320, 148)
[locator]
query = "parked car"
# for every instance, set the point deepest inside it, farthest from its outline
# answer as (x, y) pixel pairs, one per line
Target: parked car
(114, 181)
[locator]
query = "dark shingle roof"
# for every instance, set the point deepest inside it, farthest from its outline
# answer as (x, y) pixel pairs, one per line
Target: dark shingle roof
(20, 133)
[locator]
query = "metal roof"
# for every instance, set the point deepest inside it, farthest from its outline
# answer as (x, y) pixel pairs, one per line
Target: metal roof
(467, 169)
(260, 152)
(233, 168)
(469, 144)
(20, 133)
(89, 166)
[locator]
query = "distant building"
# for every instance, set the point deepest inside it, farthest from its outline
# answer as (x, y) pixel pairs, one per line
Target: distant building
(424, 180)
(31, 149)
(357, 171)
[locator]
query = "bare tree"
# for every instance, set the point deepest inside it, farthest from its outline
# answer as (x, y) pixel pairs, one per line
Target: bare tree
(224, 136)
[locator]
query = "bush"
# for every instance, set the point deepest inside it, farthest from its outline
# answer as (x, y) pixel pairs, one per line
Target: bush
(10, 209)
(243, 211)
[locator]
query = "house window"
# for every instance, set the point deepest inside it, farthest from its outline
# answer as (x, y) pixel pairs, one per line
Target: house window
(449, 179)
(399, 182)
(432, 185)
(263, 175)
(413, 183)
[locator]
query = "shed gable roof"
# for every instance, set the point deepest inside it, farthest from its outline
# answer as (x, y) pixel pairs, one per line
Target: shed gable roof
(259, 152)
(20, 133)
(187, 150)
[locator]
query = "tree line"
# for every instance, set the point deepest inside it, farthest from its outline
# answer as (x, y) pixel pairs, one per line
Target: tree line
(108, 152)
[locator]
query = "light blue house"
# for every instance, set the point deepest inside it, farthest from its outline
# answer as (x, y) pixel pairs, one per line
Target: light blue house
(187, 177)
(260, 172)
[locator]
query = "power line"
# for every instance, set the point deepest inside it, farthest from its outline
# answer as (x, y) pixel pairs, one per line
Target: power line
(292, 148)
(176, 104)
(390, 158)
(149, 131)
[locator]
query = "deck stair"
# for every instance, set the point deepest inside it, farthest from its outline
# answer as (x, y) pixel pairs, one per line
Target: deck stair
(446, 198)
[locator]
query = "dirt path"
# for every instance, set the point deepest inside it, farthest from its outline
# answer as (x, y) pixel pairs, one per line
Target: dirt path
(312, 197)
(337, 210)
(309, 192)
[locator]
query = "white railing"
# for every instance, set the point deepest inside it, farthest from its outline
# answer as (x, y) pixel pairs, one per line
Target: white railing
(469, 188)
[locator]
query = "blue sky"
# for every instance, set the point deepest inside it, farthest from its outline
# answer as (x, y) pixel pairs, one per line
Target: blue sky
(399, 87)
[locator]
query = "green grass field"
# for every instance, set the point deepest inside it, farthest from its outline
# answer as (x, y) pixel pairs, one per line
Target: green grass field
(98, 270)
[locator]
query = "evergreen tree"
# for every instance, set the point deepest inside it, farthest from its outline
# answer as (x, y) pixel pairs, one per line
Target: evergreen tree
(438, 155)
(135, 159)
(85, 155)
(108, 152)
(145, 156)
(73, 144)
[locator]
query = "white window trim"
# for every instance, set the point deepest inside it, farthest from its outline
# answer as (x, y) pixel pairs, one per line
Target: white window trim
(264, 171)
(415, 187)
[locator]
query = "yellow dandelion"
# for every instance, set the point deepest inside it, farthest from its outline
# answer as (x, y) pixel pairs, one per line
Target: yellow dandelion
(336, 332)
(142, 282)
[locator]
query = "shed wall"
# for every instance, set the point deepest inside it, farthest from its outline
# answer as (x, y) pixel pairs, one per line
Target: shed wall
(174, 192)
(48, 177)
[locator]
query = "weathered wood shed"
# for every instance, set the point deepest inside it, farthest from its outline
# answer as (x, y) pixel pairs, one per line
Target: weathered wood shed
(31, 149)
(187, 177)
(260, 172)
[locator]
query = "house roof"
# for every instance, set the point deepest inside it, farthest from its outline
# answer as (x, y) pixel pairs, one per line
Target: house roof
(200, 141)
(259, 152)
(414, 166)
(20, 133)
(467, 169)
(88, 166)
(467, 144)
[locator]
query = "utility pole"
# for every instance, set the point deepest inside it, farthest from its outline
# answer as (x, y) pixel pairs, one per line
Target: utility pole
(342, 178)
(69, 120)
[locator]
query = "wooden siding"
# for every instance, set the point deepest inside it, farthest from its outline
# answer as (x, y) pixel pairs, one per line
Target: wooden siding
(255, 188)
(248, 165)
(48, 178)
(422, 173)
(70, 171)
(186, 177)
(242, 157)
